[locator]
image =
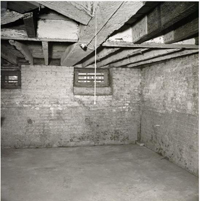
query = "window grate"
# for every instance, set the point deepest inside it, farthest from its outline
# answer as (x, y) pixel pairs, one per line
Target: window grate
(10, 79)
(86, 77)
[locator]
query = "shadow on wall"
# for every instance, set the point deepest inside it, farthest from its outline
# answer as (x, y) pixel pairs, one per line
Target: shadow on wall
(2, 120)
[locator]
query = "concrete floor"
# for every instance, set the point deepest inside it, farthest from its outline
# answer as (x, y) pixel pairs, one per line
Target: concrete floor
(99, 173)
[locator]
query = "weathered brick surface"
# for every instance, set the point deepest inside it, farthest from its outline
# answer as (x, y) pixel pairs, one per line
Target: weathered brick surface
(169, 123)
(46, 113)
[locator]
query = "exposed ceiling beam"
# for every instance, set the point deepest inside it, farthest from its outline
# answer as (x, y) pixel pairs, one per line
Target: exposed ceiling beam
(68, 10)
(103, 53)
(45, 48)
(104, 12)
(121, 55)
(22, 6)
(186, 31)
(148, 45)
(10, 16)
(110, 19)
(166, 57)
(8, 55)
(48, 30)
(142, 57)
(30, 24)
(23, 49)
(161, 18)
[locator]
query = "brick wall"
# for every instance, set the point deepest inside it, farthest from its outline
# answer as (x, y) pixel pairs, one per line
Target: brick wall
(46, 113)
(169, 123)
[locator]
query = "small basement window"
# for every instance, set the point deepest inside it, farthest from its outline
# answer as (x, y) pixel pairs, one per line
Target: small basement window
(86, 77)
(10, 79)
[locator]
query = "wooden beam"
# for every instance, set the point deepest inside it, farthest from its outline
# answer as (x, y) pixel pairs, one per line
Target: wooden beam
(104, 53)
(23, 49)
(110, 19)
(142, 57)
(166, 57)
(45, 48)
(59, 29)
(22, 6)
(48, 30)
(121, 55)
(8, 56)
(104, 11)
(30, 24)
(161, 18)
(8, 17)
(68, 10)
(186, 31)
(148, 45)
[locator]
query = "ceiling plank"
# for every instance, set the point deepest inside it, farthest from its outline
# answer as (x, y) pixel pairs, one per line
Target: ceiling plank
(161, 18)
(117, 19)
(60, 29)
(148, 45)
(166, 57)
(8, 56)
(23, 49)
(183, 32)
(103, 53)
(48, 30)
(10, 16)
(21, 6)
(121, 55)
(68, 10)
(30, 24)
(142, 57)
(45, 48)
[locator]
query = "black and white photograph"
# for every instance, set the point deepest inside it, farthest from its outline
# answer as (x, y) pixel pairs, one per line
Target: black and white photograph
(99, 100)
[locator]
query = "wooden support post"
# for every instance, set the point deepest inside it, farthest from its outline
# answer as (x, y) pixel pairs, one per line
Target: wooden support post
(23, 49)
(30, 24)
(186, 31)
(161, 18)
(45, 48)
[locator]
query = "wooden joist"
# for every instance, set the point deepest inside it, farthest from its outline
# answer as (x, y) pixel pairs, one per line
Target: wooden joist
(30, 24)
(161, 18)
(74, 53)
(10, 16)
(22, 6)
(104, 53)
(142, 57)
(23, 49)
(148, 45)
(163, 58)
(186, 31)
(110, 18)
(124, 54)
(48, 30)
(68, 9)
(45, 48)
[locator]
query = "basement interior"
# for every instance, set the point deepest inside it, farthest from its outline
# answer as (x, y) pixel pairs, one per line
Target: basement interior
(99, 100)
